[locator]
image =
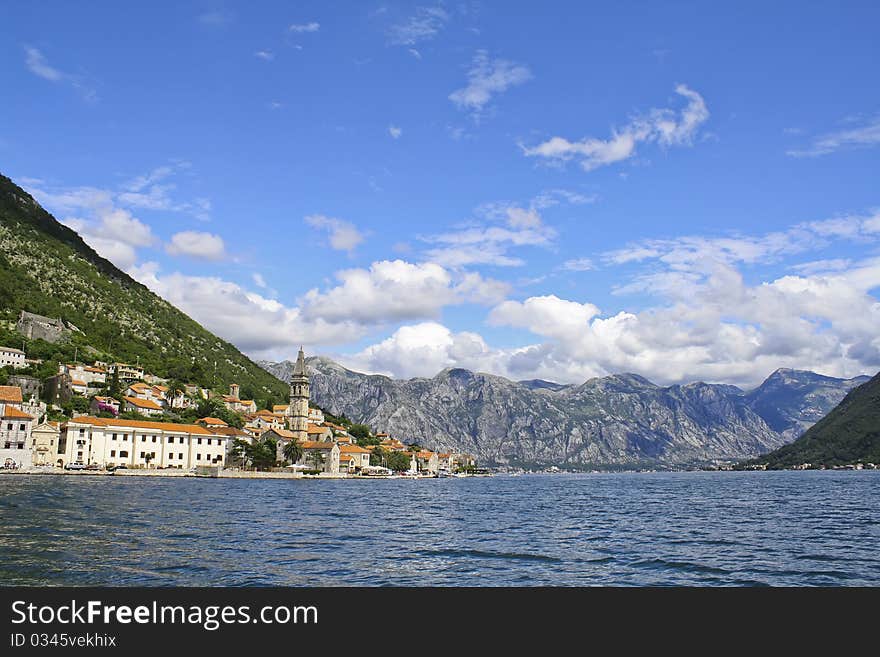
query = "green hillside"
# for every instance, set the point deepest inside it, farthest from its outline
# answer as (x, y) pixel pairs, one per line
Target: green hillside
(850, 433)
(46, 268)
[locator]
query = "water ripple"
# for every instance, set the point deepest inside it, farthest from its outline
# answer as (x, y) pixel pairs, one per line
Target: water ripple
(658, 529)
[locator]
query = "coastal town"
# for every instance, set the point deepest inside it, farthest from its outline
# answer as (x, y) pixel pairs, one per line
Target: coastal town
(125, 425)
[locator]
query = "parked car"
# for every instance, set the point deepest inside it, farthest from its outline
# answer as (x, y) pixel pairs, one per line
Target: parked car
(113, 468)
(93, 466)
(75, 466)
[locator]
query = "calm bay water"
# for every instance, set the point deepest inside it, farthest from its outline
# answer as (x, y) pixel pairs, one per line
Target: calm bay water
(725, 528)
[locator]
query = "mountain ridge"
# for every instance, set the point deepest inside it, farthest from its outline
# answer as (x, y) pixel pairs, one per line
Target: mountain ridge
(621, 420)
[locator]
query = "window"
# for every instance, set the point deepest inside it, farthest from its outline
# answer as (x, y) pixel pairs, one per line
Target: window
(21, 427)
(170, 439)
(112, 453)
(198, 457)
(181, 440)
(123, 454)
(125, 438)
(154, 438)
(142, 454)
(9, 427)
(143, 439)
(200, 441)
(180, 456)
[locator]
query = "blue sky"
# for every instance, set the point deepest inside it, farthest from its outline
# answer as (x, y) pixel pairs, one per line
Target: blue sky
(683, 190)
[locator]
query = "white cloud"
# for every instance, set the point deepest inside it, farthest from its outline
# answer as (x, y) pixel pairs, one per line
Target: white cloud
(259, 281)
(252, 322)
(487, 78)
(104, 217)
(579, 264)
(344, 236)
(206, 246)
(300, 28)
(660, 126)
(489, 243)
(396, 290)
(865, 135)
(423, 25)
(422, 350)
(36, 63)
(395, 131)
(265, 55)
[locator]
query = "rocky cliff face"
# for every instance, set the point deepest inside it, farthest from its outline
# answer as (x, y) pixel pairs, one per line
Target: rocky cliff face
(616, 421)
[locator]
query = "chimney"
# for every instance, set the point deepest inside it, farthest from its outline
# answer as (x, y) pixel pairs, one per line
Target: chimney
(233, 390)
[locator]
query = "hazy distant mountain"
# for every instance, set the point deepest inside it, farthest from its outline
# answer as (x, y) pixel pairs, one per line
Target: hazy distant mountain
(791, 401)
(850, 433)
(616, 421)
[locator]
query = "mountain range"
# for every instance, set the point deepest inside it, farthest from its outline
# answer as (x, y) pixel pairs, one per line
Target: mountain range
(619, 421)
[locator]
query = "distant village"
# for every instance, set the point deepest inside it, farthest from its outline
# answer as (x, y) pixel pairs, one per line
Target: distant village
(122, 426)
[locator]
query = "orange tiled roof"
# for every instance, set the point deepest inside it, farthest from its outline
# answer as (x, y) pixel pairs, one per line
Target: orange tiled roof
(13, 412)
(10, 394)
(316, 444)
(143, 403)
(353, 449)
(211, 420)
(77, 382)
(141, 424)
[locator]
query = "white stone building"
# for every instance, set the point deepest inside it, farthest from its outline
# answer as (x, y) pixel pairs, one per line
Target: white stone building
(15, 437)
(135, 443)
(10, 357)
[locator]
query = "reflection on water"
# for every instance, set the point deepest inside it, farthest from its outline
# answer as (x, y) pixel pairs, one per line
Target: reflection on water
(785, 528)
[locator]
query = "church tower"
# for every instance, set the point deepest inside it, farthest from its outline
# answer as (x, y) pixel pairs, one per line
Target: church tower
(299, 399)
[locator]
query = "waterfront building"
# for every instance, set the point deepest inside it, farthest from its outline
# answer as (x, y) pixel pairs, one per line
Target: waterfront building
(136, 443)
(324, 455)
(15, 437)
(353, 458)
(44, 443)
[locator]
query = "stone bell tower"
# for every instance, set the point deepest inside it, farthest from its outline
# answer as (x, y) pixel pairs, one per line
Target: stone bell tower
(298, 410)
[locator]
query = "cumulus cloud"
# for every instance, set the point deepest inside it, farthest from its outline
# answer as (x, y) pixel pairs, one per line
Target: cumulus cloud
(344, 235)
(423, 25)
(105, 218)
(423, 350)
(395, 131)
(396, 290)
(109, 229)
(487, 78)
(252, 322)
(658, 126)
(206, 246)
(265, 55)
(866, 134)
(363, 300)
